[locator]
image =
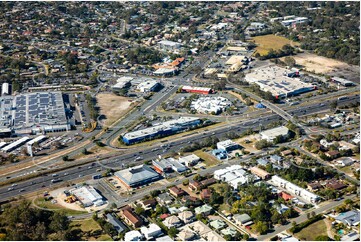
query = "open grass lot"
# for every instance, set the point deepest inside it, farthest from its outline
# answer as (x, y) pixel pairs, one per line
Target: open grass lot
(41, 203)
(312, 231)
(219, 187)
(208, 159)
(90, 230)
(270, 41)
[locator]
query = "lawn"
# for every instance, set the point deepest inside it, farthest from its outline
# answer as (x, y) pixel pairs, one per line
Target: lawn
(267, 42)
(208, 159)
(40, 202)
(218, 187)
(312, 231)
(90, 230)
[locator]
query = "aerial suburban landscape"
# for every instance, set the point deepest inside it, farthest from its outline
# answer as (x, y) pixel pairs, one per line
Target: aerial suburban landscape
(180, 121)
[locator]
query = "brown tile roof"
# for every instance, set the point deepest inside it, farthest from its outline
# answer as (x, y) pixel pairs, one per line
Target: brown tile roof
(133, 218)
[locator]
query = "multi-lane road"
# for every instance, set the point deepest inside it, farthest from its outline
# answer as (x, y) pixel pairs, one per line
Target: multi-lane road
(67, 175)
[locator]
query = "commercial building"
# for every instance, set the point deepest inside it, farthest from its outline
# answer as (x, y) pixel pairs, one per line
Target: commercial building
(15, 144)
(137, 176)
(294, 189)
(161, 130)
(165, 72)
(271, 134)
(122, 82)
(214, 105)
(276, 80)
(88, 196)
(350, 218)
(169, 45)
(199, 90)
(189, 160)
(295, 21)
(227, 145)
(32, 113)
(166, 165)
(342, 81)
(149, 86)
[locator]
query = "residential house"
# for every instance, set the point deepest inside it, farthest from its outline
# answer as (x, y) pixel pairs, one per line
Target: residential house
(133, 235)
(314, 186)
(281, 208)
(229, 231)
(208, 182)
(194, 186)
(332, 154)
(217, 224)
(276, 159)
(186, 235)
(262, 162)
(151, 232)
(205, 210)
(260, 173)
(345, 161)
(335, 184)
(242, 219)
(118, 226)
(172, 221)
(206, 194)
(186, 217)
(352, 236)
(177, 192)
(213, 236)
(130, 217)
(164, 199)
(286, 196)
(350, 218)
(148, 204)
(286, 152)
(164, 238)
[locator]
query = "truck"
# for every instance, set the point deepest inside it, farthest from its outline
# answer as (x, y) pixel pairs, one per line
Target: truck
(95, 177)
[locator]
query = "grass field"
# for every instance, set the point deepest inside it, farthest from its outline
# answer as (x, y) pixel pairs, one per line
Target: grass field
(267, 42)
(312, 231)
(40, 202)
(90, 230)
(208, 159)
(218, 187)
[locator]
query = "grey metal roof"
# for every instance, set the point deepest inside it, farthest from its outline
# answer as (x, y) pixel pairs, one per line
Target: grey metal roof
(136, 174)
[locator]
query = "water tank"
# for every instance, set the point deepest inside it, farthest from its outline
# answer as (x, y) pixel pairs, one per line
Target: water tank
(5, 89)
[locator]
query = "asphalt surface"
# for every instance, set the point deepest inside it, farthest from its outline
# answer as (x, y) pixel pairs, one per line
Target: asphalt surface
(70, 174)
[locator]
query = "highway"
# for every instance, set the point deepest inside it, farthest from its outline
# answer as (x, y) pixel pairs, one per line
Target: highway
(150, 152)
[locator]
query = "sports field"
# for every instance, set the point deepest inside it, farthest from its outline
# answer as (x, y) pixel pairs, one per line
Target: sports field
(270, 41)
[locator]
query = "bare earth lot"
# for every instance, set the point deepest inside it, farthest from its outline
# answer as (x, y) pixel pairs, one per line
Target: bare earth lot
(112, 106)
(327, 66)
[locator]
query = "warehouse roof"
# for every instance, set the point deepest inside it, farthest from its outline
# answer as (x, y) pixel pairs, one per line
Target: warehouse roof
(136, 174)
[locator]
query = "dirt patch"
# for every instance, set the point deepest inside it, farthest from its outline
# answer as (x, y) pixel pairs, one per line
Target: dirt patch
(327, 66)
(267, 42)
(248, 145)
(112, 106)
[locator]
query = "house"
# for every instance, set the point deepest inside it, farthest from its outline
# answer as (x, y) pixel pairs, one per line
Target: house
(286, 152)
(194, 186)
(281, 208)
(345, 161)
(133, 235)
(335, 184)
(164, 199)
(217, 224)
(164, 238)
(260, 173)
(172, 221)
(205, 209)
(118, 226)
(285, 196)
(130, 217)
(314, 186)
(148, 204)
(151, 232)
(229, 231)
(190, 199)
(206, 194)
(208, 182)
(276, 159)
(242, 219)
(262, 162)
(213, 236)
(333, 154)
(350, 218)
(186, 217)
(186, 235)
(176, 191)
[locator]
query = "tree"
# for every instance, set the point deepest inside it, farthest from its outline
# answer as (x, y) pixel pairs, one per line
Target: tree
(260, 227)
(322, 238)
(172, 232)
(290, 61)
(333, 105)
(139, 210)
(65, 158)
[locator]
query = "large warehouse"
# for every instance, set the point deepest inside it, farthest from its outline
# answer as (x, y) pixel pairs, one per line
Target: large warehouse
(275, 80)
(160, 130)
(32, 113)
(88, 196)
(137, 176)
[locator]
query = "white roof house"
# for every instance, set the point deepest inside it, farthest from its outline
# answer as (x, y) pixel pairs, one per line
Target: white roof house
(271, 134)
(133, 235)
(151, 232)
